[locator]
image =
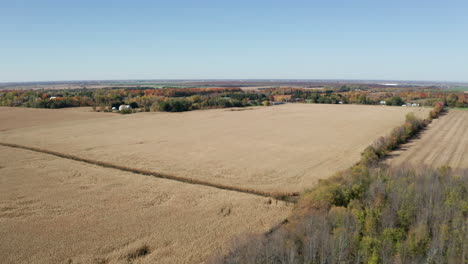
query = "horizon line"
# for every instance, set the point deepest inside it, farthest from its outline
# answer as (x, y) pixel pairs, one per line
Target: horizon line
(231, 79)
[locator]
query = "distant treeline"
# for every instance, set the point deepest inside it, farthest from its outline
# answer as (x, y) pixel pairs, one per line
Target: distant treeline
(186, 99)
(395, 97)
(47, 99)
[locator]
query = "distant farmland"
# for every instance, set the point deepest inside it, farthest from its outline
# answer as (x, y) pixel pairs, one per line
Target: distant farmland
(459, 88)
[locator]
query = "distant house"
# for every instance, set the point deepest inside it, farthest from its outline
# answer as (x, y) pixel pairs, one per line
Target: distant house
(123, 107)
(411, 105)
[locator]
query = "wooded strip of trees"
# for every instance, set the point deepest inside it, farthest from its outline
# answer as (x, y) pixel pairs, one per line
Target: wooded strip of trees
(186, 99)
(170, 100)
(363, 215)
(399, 135)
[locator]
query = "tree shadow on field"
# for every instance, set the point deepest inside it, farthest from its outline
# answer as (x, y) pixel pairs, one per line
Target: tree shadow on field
(444, 113)
(403, 147)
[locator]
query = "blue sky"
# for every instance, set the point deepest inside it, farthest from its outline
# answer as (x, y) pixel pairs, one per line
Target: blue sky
(90, 40)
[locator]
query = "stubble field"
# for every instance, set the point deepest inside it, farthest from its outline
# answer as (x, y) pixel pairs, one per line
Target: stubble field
(56, 210)
(283, 148)
(19, 117)
(444, 143)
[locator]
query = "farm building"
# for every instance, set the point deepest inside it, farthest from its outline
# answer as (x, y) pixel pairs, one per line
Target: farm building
(123, 107)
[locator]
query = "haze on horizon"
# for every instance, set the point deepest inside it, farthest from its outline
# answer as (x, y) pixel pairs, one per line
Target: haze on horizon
(118, 40)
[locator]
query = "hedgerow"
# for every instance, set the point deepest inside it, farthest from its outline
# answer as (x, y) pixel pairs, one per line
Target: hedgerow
(399, 135)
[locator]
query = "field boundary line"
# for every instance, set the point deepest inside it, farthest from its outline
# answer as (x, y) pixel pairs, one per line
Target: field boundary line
(287, 197)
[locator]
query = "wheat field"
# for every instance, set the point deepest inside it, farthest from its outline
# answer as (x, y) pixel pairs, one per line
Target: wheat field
(281, 148)
(57, 210)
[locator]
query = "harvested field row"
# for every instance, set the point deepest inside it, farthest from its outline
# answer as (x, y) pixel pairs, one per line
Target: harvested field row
(54, 210)
(444, 143)
(277, 195)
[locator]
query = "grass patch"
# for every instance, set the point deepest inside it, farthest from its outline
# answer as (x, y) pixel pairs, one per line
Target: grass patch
(459, 108)
(459, 88)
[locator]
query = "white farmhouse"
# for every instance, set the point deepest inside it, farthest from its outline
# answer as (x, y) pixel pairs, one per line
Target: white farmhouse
(122, 107)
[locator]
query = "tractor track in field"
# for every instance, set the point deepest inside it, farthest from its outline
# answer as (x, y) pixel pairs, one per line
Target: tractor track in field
(287, 197)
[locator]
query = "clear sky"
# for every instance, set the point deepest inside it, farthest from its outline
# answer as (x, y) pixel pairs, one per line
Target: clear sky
(236, 39)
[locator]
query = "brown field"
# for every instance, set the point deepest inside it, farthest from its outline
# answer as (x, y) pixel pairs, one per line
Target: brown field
(18, 117)
(444, 143)
(54, 210)
(282, 148)
(259, 88)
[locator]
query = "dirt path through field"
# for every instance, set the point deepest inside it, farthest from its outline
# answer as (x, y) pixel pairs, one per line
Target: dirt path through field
(445, 142)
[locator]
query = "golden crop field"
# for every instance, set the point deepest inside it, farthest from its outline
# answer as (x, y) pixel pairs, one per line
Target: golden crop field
(282, 148)
(55, 210)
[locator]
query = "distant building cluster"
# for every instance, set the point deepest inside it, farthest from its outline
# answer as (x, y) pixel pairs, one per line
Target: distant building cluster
(411, 105)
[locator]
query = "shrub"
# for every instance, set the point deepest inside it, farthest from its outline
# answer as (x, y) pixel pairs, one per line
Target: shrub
(395, 100)
(369, 156)
(126, 111)
(438, 109)
(134, 105)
